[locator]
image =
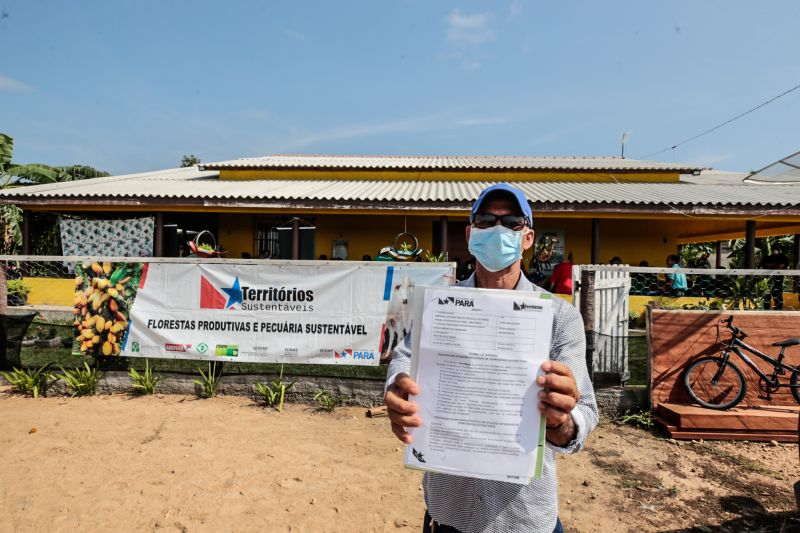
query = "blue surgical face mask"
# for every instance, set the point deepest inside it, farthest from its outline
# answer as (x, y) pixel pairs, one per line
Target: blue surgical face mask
(497, 247)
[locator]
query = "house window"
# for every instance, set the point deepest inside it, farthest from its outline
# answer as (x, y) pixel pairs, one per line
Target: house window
(340, 249)
(274, 237)
(266, 241)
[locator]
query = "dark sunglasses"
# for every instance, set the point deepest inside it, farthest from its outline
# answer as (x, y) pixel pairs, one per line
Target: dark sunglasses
(488, 220)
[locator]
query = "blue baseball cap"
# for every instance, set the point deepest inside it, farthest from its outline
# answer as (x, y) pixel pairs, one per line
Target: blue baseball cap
(518, 195)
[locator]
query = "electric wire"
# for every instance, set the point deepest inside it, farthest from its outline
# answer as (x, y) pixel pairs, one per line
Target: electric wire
(718, 126)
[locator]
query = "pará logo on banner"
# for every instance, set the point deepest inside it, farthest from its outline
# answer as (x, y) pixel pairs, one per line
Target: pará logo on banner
(347, 353)
(224, 298)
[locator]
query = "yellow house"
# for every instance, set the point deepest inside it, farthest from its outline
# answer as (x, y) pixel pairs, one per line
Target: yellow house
(305, 206)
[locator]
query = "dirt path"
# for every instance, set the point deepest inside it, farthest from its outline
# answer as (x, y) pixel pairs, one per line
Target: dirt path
(172, 463)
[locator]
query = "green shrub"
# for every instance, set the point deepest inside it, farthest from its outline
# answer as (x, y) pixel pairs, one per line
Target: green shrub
(32, 381)
(82, 381)
(642, 419)
(146, 382)
(17, 292)
(325, 401)
(275, 392)
(210, 381)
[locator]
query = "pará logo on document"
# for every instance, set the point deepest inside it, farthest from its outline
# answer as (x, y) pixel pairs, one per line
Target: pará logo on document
(458, 302)
(526, 307)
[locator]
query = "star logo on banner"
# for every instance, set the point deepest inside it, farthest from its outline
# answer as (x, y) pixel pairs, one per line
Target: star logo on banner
(234, 294)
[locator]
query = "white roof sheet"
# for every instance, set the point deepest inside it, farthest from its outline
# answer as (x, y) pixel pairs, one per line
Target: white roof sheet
(191, 185)
(446, 163)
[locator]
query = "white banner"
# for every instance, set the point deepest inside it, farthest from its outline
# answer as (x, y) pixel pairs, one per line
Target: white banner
(323, 313)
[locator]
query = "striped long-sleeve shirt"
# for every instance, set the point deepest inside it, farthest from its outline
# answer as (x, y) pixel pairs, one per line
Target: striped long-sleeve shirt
(477, 505)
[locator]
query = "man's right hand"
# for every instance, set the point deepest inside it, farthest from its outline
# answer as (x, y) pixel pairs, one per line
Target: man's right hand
(402, 413)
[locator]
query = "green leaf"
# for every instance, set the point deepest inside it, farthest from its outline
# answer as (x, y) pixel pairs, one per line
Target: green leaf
(6, 150)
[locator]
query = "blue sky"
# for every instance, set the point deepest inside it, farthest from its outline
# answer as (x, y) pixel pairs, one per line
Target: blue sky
(132, 86)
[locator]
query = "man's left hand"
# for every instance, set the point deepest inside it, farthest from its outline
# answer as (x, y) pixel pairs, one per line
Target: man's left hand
(559, 395)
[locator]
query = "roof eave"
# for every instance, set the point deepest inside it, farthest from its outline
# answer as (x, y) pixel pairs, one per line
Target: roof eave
(164, 204)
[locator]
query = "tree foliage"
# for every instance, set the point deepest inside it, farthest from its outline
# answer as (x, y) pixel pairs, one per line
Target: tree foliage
(38, 173)
(699, 255)
(763, 248)
(696, 255)
(190, 160)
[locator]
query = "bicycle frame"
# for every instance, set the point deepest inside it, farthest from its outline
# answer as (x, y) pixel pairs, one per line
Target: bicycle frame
(735, 345)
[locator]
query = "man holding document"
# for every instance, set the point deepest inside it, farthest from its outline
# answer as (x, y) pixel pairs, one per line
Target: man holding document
(498, 374)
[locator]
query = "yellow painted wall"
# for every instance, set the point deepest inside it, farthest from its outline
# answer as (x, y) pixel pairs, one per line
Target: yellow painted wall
(637, 240)
(632, 240)
(236, 234)
(49, 291)
(367, 234)
(637, 304)
(433, 175)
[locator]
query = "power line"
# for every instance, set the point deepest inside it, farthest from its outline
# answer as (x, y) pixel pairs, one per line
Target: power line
(718, 126)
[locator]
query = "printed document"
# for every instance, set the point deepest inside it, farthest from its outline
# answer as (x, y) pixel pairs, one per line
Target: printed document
(476, 354)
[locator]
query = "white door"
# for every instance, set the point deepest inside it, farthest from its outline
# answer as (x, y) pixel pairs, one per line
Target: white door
(611, 288)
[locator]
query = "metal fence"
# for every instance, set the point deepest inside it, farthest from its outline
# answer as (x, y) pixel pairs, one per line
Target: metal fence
(612, 299)
(39, 324)
(613, 302)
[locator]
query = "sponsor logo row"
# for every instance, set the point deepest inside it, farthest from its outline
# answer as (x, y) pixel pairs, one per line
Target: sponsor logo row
(232, 350)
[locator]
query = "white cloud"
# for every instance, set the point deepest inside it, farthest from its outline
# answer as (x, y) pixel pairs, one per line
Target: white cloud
(253, 114)
(7, 84)
(295, 35)
(710, 159)
(482, 121)
(411, 125)
(464, 29)
(362, 130)
(546, 138)
(515, 9)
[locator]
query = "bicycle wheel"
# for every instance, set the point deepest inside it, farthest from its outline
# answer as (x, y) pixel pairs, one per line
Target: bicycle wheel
(714, 384)
(795, 390)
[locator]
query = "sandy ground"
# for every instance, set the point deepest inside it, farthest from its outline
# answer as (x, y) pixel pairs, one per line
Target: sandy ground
(172, 463)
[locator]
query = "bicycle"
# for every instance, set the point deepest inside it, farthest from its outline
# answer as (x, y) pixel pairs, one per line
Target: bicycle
(716, 382)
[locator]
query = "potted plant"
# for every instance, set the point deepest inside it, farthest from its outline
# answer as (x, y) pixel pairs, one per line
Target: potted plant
(17, 292)
(207, 248)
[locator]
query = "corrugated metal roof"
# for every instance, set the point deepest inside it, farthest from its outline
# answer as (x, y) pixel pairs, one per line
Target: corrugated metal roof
(366, 162)
(190, 184)
(715, 177)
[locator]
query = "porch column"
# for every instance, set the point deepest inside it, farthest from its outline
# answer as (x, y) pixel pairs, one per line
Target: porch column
(796, 256)
(158, 238)
(595, 241)
(26, 232)
(3, 313)
(718, 262)
(443, 235)
(296, 238)
(750, 244)
(3, 305)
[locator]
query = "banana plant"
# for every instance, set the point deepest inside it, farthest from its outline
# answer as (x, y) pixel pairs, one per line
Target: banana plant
(38, 173)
